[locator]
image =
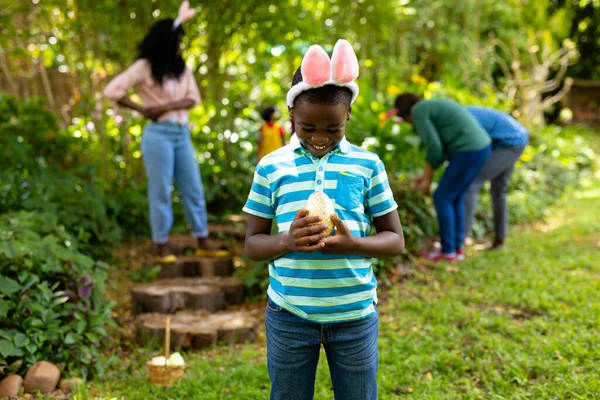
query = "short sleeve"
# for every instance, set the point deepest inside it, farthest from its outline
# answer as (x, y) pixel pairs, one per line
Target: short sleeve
(259, 201)
(380, 199)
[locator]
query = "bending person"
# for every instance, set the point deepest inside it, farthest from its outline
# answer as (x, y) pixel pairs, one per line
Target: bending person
(451, 134)
(509, 139)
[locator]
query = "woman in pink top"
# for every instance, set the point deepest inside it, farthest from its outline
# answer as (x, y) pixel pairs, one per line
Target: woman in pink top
(168, 90)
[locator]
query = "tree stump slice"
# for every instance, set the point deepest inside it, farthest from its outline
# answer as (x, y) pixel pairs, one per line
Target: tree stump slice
(192, 266)
(172, 295)
(198, 329)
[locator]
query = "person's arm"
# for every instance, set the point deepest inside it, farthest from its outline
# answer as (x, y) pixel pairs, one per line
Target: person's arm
(192, 93)
(430, 136)
(388, 242)
(116, 90)
(154, 113)
(423, 181)
(302, 236)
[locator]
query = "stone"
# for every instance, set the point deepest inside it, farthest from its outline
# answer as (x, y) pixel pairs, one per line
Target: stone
(42, 377)
(10, 386)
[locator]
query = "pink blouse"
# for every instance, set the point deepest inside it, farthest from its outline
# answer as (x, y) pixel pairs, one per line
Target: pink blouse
(152, 93)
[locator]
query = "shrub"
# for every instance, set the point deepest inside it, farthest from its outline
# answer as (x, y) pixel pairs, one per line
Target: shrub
(51, 297)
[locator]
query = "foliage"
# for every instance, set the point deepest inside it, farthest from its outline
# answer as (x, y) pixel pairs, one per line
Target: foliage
(51, 297)
(42, 171)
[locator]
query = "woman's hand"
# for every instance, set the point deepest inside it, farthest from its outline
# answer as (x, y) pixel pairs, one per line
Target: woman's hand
(154, 113)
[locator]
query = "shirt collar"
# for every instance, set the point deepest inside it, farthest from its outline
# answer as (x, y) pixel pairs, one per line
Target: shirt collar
(343, 145)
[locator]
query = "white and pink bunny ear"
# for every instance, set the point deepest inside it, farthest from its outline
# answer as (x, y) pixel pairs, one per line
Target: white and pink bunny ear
(344, 64)
(184, 14)
(318, 70)
(316, 66)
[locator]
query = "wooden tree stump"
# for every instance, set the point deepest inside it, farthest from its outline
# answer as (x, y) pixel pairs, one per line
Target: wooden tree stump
(198, 329)
(171, 295)
(191, 266)
(181, 244)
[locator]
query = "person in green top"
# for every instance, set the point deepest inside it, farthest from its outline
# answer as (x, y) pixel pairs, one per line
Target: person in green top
(451, 134)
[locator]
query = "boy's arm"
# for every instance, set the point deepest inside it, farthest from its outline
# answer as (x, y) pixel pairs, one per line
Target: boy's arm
(388, 242)
(262, 246)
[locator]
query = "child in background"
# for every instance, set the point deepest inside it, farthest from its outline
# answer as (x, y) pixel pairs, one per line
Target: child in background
(272, 135)
(322, 288)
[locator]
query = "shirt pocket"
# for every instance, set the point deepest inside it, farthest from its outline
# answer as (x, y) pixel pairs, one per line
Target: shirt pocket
(349, 192)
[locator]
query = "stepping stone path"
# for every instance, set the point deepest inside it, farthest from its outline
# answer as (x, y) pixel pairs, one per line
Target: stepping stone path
(194, 291)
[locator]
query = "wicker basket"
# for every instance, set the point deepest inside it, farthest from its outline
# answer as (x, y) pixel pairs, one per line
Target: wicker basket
(165, 375)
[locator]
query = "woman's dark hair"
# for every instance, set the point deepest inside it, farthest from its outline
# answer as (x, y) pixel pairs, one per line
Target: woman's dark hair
(328, 94)
(404, 103)
(267, 113)
(160, 47)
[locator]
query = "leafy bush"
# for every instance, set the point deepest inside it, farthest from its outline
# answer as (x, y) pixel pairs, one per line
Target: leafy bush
(51, 297)
(31, 138)
(79, 205)
(41, 170)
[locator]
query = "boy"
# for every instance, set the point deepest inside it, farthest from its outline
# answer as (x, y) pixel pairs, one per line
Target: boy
(322, 289)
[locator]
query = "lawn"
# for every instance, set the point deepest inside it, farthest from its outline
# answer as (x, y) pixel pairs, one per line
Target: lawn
(517, 324)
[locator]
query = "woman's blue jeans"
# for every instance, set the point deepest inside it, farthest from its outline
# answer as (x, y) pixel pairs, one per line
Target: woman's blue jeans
(168, 153)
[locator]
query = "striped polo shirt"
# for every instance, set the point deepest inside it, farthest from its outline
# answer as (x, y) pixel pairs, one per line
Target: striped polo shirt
(320, 287)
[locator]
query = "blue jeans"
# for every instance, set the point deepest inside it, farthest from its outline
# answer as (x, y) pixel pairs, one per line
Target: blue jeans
(168, 153)
(293, 347)
(450, 193)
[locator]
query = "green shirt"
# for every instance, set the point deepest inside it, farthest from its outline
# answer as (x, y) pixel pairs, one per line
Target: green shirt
(447, 128)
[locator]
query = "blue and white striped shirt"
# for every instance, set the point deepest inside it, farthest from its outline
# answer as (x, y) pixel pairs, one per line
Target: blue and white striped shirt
(504, 130)
(320, 287)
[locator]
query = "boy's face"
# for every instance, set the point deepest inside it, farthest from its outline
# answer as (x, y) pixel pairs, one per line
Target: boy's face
(320, 127)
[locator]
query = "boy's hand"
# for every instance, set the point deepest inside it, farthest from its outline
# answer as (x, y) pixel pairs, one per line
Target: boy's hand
(343, 242)
(302, 236)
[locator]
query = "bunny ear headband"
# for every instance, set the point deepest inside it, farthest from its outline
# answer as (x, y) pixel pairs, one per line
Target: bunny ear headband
(184, 14)
(318, 70)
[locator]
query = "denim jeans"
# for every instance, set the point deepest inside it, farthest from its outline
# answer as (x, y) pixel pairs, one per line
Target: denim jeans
(497, 170)
(450, 193)
(293, 347)
(168, 153)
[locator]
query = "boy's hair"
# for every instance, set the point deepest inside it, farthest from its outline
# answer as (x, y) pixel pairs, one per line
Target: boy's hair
(160, 47)
(267, 113)
(404, 103)
(328, 94)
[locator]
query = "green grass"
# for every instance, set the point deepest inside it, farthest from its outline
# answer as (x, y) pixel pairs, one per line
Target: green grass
(517, 324)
